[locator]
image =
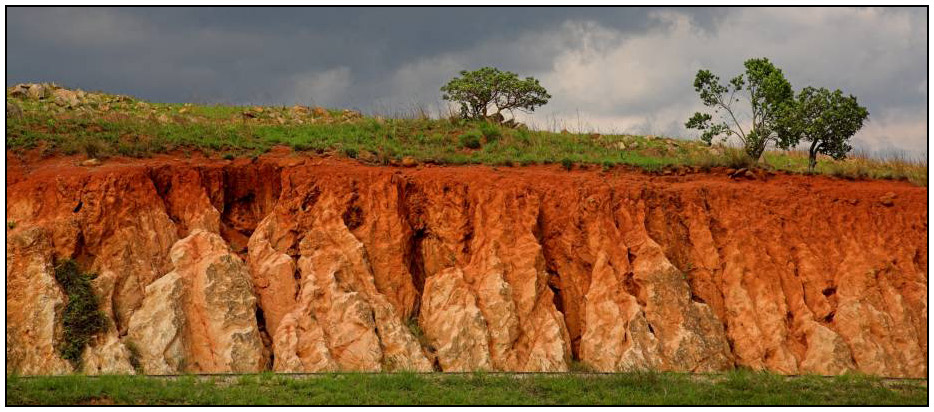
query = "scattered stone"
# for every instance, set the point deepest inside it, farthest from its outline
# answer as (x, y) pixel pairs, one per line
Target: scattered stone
(620, 145)
(91, 162)
(366, 156)
(319, 111)
(409, 161)
(888, 199)
(350, 114)
(300, 110)
(741, 173)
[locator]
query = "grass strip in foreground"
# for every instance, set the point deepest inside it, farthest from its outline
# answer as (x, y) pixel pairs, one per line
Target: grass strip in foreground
(645, 388)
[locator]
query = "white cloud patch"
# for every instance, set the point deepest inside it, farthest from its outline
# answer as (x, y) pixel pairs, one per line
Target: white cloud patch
(326, 88)
(896, 130)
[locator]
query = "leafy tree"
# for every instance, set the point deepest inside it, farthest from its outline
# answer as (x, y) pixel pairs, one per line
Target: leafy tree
(480, 90)
(824, 118)
(765, 89)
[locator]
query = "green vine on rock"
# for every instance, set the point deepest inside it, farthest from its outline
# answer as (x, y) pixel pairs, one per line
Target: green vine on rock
(83, 318)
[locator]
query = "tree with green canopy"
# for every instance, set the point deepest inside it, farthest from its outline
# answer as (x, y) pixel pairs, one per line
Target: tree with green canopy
(825, 119)
(488, 88)
(765, 90)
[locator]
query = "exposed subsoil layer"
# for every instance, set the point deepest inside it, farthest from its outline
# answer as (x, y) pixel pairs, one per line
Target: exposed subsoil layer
(299, 264)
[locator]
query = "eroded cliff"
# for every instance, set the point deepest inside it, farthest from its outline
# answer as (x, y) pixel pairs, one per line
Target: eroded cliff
(299, 264)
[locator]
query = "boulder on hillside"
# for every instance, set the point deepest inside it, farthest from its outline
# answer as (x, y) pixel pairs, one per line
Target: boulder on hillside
(66, 98)
(38, 91)
(32, 91)
(18, 91)
(495, 118)
(299, 110)
(13, 110)
(319, 111)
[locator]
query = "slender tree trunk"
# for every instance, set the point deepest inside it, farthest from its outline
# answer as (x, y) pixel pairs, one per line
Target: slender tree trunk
(812, 156)
(755, 150)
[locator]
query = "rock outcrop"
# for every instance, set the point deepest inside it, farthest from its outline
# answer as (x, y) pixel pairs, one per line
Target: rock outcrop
(302, 265)
(35, 305)
(201, 317)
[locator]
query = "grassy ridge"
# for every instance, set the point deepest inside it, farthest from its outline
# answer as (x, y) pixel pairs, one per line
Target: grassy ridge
(736, 388)
(102, 125)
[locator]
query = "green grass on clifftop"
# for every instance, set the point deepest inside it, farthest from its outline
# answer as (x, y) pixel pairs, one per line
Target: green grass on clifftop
(101, 125)
(736, 388)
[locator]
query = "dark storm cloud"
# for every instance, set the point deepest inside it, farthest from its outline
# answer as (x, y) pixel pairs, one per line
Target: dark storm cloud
(622, 69)
(241, 54)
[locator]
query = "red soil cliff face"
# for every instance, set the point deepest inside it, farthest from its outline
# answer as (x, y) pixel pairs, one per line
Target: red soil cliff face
(298, 264)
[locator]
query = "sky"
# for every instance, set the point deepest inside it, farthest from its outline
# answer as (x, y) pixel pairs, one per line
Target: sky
(609, 70)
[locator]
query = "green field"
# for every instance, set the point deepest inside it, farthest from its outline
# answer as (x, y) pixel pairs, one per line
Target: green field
(103, 125)
(645, 388)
